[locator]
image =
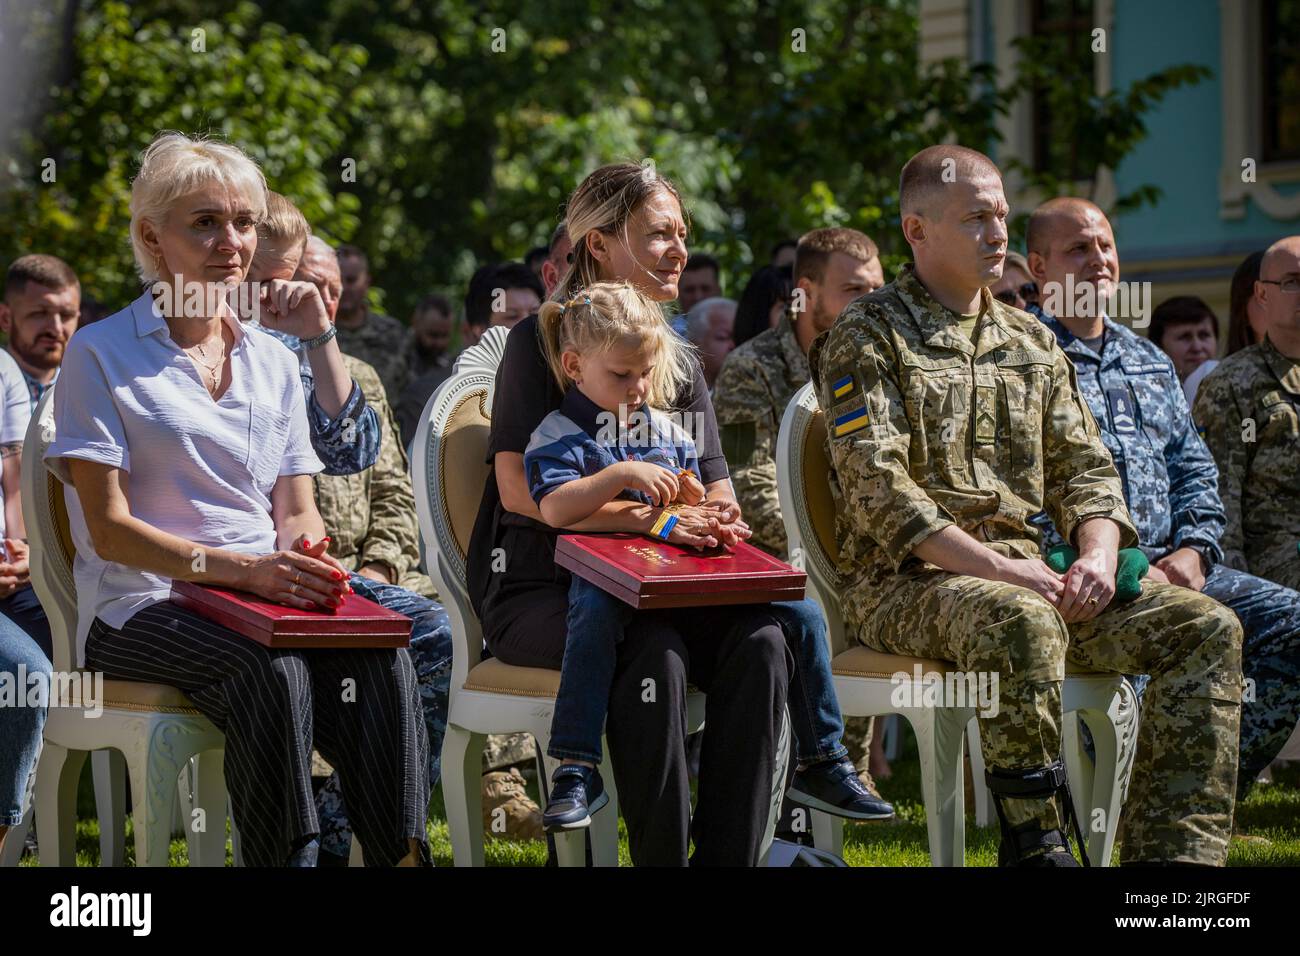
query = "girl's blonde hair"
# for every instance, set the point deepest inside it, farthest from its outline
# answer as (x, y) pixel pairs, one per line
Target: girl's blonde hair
(175, 164)
(604, 201)
(610, 314)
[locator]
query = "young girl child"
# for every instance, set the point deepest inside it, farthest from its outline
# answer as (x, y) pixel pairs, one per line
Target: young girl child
(619, 363)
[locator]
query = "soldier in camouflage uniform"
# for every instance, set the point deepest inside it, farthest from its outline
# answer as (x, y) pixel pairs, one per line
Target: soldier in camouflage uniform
(1249, 410)
(371, 514)
(370, 517)
(1170, 481)
(832, 268)
(379, 340)
(949, 426)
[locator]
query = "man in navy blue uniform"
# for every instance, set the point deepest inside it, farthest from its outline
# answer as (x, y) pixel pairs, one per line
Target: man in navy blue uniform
(1170, 479)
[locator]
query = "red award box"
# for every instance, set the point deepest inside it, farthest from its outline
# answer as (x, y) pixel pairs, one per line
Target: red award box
(649, 574)
(356, 623)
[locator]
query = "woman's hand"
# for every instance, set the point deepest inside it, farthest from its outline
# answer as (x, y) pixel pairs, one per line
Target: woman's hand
(694, 528)
(299, 578)
(654, 481)
(731, 527)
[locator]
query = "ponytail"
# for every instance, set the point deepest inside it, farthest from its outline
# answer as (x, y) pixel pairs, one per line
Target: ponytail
(550, 318)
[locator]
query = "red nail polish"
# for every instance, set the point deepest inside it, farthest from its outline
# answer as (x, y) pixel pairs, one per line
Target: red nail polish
(338, 575)
(306, 542)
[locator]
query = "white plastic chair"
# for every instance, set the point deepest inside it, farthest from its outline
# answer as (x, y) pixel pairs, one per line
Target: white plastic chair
(154, 727)
(864, 686)
(489, 696)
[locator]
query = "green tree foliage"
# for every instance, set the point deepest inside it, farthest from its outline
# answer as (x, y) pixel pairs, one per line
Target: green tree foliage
(248, 81)
(470, 121)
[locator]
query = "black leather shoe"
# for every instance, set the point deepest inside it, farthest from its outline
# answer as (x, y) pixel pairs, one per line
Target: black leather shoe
(576, 793)
(834, 788)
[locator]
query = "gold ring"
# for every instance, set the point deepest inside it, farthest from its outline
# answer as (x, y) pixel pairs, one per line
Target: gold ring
(293, 588)
(1092, 600)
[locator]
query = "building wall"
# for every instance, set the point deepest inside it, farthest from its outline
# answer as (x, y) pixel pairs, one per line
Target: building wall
(1206, 221)
(1185, 244)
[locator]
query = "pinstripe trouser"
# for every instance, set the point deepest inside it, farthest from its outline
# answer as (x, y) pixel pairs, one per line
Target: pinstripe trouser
(361, 709)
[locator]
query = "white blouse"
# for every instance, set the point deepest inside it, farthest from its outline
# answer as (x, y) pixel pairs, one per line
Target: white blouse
(15, 412)
(128, 396)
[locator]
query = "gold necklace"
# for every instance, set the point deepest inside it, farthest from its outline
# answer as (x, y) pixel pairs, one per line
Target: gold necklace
(214, 369)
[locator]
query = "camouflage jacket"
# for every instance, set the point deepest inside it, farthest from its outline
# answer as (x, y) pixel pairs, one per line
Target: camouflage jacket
(927, 430)
(382, 342)
(370, 516)
(1249, 412)
(348, 442)
(755, 385)
(1171, 485)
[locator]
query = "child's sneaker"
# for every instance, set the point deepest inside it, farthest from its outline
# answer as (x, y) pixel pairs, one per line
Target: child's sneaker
(576, 793)
(834, 787)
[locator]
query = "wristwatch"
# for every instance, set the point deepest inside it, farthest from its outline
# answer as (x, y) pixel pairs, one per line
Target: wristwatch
(318, 341)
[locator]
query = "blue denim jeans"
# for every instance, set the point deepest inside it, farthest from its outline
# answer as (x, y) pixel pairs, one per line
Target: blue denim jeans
(815, 716)
(431, 655)
(595, 627)
(23, 608)
(21, 664)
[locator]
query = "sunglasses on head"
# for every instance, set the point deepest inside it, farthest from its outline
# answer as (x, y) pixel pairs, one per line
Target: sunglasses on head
(1027, 292)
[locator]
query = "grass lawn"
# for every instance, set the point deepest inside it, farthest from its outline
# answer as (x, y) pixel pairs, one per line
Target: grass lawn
(1271, 811)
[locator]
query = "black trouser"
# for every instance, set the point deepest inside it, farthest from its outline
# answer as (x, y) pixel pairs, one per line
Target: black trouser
(360, 708)
(738, 657)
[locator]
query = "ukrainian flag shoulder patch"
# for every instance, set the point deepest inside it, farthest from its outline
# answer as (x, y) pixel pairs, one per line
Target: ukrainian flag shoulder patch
(848, 422)
(843, 386)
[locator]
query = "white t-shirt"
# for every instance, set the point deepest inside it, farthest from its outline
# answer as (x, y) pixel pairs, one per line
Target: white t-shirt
(129, 397)
(15, 412)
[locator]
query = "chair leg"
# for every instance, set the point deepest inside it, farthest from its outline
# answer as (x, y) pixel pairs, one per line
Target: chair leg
(1099, 793)
(571, 846)
(57, 776)
(108, 768)
(939, 737)
(153, 774)
(603, 833)
(15, 840)
(889, 733)
(828, 832)
(462, 760)
(208, 844)
(983, 798)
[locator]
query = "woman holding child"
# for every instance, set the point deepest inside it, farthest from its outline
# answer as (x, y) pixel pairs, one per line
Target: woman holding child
(574, 370)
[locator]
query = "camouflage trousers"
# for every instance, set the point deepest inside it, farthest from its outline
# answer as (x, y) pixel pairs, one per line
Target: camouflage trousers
(431, 657)
(857, 738)
(1182, 792)
(1270, 662)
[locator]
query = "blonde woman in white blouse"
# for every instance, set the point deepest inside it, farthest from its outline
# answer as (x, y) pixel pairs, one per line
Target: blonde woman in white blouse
(184, 436)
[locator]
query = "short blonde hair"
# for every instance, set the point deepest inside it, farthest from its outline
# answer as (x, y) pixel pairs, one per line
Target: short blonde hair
(284, 231)
(610, 314)
(174, 165)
